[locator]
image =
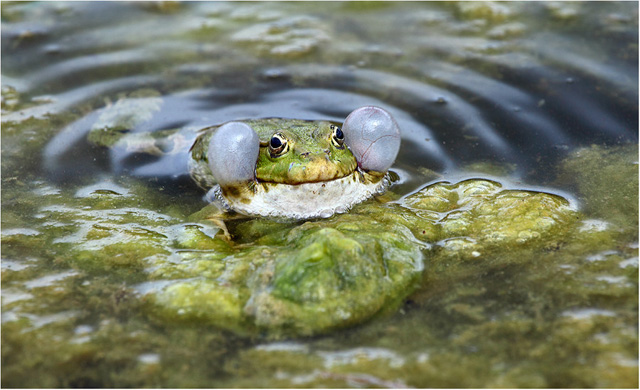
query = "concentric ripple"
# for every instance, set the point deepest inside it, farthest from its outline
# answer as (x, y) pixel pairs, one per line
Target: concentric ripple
(467, 83)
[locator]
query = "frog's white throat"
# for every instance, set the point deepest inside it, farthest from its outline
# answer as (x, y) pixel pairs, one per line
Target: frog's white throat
(302, 201)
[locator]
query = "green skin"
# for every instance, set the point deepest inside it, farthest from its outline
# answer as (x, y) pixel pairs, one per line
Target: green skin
(312, 159)
(311, 155)
(283, 279)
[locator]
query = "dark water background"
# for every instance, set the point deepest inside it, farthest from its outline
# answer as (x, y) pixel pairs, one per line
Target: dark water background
(504, 90)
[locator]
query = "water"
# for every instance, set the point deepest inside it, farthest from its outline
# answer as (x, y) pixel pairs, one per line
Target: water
(509, 91)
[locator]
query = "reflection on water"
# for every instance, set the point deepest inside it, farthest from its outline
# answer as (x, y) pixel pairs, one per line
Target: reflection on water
(510, 91)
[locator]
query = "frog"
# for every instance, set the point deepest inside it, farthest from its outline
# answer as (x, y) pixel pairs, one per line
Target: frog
(297, 169)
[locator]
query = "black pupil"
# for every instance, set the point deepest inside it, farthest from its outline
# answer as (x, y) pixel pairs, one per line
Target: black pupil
(339, 134)
(275, 142)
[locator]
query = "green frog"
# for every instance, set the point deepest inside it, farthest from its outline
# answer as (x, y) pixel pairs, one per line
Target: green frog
(297, 169)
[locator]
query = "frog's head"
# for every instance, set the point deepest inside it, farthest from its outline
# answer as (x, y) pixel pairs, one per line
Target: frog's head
(304, 151)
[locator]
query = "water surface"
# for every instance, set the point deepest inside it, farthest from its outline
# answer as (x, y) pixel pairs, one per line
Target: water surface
(534, 95)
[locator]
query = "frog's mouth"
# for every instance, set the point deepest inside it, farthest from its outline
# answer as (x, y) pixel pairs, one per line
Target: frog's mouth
(319, 199)
(308, 169)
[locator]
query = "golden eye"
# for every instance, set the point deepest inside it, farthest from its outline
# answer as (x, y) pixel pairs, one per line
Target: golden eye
(337, 137)
(278, 145)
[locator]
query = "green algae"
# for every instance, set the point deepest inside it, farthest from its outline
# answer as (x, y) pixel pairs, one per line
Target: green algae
(593, 172)
(307, 279)
(125, 114)
(488, 214)
(323, 275)
(320, 277)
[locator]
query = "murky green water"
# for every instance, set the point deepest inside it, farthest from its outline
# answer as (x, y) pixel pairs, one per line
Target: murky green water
(535, 96)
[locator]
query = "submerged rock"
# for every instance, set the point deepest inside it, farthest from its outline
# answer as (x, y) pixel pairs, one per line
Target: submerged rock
(318, 276)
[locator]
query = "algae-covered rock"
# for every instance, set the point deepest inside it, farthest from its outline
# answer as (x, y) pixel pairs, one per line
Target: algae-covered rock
(471, 216)
(328, 274)
(322, 275)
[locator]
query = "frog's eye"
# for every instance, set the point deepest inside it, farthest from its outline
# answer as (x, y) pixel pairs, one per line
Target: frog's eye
(278, 145)
(337, 137)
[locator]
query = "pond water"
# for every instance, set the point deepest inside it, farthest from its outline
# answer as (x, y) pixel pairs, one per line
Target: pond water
(531, 96)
